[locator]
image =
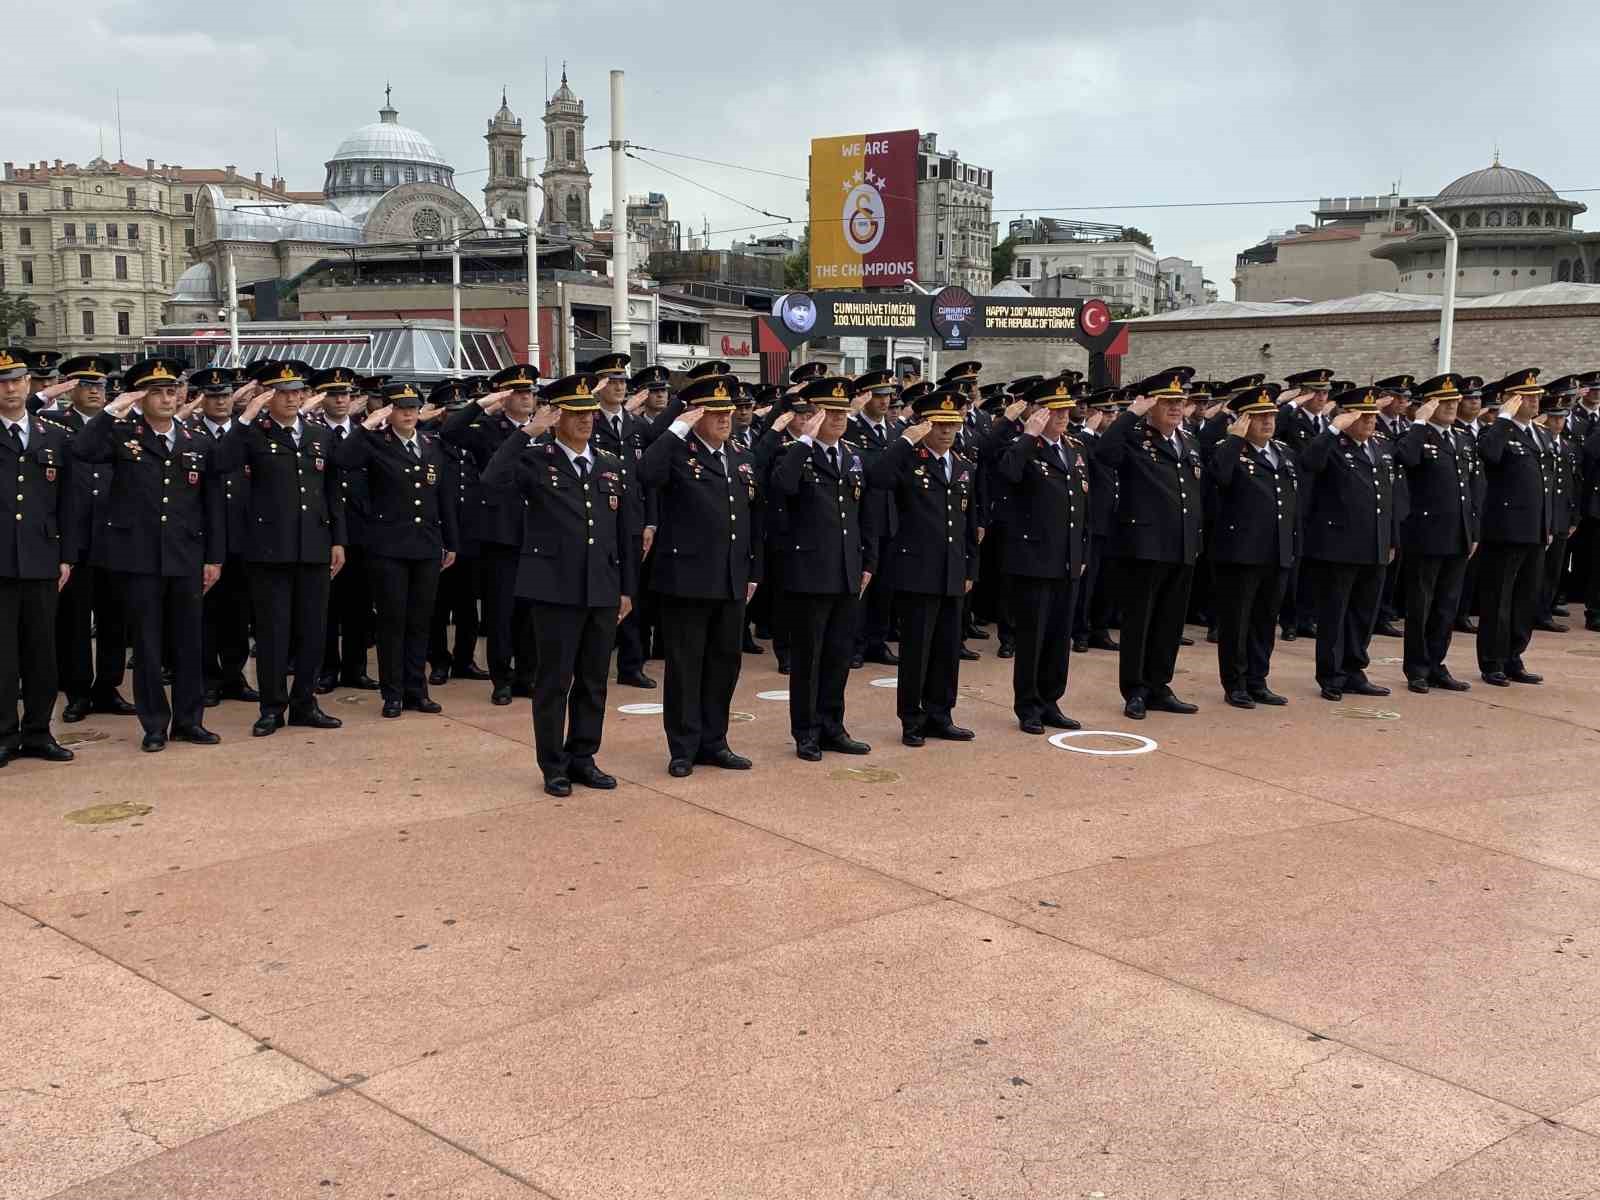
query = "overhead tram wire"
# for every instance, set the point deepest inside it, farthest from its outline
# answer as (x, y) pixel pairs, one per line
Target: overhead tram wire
(706, 187)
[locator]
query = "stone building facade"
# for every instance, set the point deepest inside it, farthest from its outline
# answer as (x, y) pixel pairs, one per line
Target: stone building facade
(566, 173)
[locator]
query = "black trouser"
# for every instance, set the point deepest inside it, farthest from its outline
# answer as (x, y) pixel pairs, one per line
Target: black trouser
(290, 602)
(404, 589)
(777, 606)
(349, 619)
(1586, 568)
(569, 683)
(1154, 597)
(1433, 598)
(165, 610)
(27, 660)
(1083, 594)
(1042, 610)
(91, 666)
(930, 659)
(1347, 609)
(1555, 564)
(875, 612)
(1247, 598)
(225, 627)
(1392, 601)
(822, 631)
(985, 600)
(1468, 604)
(704, 651)
(503, 612)
(1102, 610)
(455, 603)
(1508, 601)
(630, 640)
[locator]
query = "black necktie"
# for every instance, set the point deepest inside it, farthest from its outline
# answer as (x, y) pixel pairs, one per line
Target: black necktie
(616, 427)
(583, 469)
(1061, 459)
(338, 434)
(411, 449)
(944, 470)
(833, 459)
(15, 433)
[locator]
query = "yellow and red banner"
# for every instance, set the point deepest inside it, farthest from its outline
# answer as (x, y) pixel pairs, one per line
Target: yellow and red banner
(864, 210)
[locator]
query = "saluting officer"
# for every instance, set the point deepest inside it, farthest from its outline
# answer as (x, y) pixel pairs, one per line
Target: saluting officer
(1043, 551)
(872, 430)
(37, 550)
(578, 572)
(167, 527)
(411, 538)
(297, 540)
(829, 555)
(932, 563)
(1304, 411)
(708, 561)
(1091, 629)
(1467, 424)
(454, 613)
(1255, 541)
(339, 392)
(620, 432)
(1565, 495)
(1156, 537)
(1440, 534)
(1350, 538)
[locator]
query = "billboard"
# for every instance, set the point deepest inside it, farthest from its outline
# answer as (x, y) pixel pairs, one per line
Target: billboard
(864, 210)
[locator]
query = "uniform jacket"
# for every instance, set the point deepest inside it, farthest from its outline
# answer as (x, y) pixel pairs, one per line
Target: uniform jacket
(413, 501)
(1581, 423)
(1105, 486)
(1158, 516)
(1257, 519)
(1045, 534)
(1567, 490)
(629, 449)
(709, 542)
(870, 444)
(1443, 520)
(235, 491)
(296, 503)
(1352, 517)
(580, 543)
(89, 486)
(1521, 481)
(487, 513)
(935, 546)
(830, 538)
(36, 531)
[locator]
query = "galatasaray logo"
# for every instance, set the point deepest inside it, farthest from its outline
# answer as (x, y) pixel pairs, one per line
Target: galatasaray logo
(863, 212)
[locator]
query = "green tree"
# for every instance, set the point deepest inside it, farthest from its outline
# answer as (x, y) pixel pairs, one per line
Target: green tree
(1002, 258)
(797, 266)
(15, 311)
(1132, 233)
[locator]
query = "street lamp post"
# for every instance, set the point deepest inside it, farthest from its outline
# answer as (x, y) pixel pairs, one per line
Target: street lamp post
(1447, 302)
(530, 213)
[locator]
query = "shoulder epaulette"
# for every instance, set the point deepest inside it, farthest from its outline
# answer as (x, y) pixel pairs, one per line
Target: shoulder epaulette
(53, 424)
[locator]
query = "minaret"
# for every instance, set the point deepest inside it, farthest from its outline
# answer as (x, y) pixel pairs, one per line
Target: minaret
(565, 174)
(506, 193)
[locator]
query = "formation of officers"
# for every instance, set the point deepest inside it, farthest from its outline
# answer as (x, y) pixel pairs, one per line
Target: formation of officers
(303, 517)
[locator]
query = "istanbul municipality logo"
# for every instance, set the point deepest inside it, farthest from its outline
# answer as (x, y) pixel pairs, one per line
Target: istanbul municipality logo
(864, 216)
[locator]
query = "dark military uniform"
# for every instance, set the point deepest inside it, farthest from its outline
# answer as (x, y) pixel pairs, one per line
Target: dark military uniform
(166, 522)
(579, 560)
(1043, 551)
(826, 546)
(708, 550)
(933, 560)
(1096, 608)
(1436, 536)
(621, 434)
(36, 537)
(1298, 428)
(454, 610)
(1566, 497)
(1255, 541)
(1350, 534)
(875, 613)
(350, 631)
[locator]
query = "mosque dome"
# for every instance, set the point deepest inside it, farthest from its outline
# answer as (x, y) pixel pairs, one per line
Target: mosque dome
(380, 156)
(1499, 185)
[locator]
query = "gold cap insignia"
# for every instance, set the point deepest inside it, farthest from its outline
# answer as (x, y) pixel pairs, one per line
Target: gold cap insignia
(947, 404)
(1063, 390)
(839, 392)
(159, 372)
(408, 394)
(583, 389)
(1448, 387)
(7, 361)
(720, 392)
(1529, 381)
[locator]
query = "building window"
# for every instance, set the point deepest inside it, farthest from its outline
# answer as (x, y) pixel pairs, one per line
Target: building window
(1549, 219)
(133, 198)
(24, 236)
(66, 197)
(30, 329)
(347, 173)
(1473, 220)
(91, 234)
(88, 322)
(436, 175)
(133, 233)
(163, 270)
(509, 163)
(69, 232)
(188, 238)
(1577, 270)
(572, 146)
(188, 202)
(162, 231)
(27, 270)
(111, 233)
(550, 139)
(1513, 219)
(85, 267)
(123, 324)
(1024, 268)
(122, 266)
(574, 209)
(22, 201)
(1493, 219)
(1564, 271)
(939, 249)
(514, 213)
(411, 174)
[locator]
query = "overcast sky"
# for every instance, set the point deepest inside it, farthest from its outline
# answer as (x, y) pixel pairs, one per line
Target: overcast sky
(1077, 109)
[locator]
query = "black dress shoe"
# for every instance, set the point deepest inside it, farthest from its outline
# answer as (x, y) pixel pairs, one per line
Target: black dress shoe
(1387, 629)
(969, 655)
(1057, 719)
(1080, 645)
(325, 684)
(1101, 641)
(948, 732)
(76, 710)
(424, 704)
(1332, 693)
(1449, 682)
(882, 654)
(1592, 624)
(558, 785)
(1267, 696)
(522, 691)
(591, 776)
(361, 683)
(393, 708)
(1171, 704)
(501, 694)
(1134, 709)
(153, 742)
(50, 750)
(114, 704)
(1239, 699)
(1006, 650)
(198, 735)
(267, 724)
(1468, 625)
(679, 768)
(1306, 629)
(726, 759)
(1288, 634)
(1185, 640)
(910, 737)
(470, 671)
(1362, 687)
(1211, 635)
(1496, 679)
(843, 743)
(1419, 686)
(857, 661)
(212, 697)
(439, 676)
(808, 751)
(1031, 726)
(751, 646)
(1545, 626)
(1561, 610)
(5, 755)
(1524, 677)
(314, 718)
(975, 633)
(241, 691)
(783, 665)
